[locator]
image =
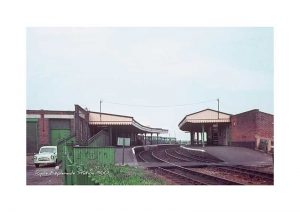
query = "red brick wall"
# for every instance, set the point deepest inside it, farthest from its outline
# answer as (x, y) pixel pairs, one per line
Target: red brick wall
(43, 125)
(72, 127)
(243, 126)
(265, 126)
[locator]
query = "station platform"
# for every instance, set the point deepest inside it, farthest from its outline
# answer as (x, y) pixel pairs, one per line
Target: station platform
(129, 157)
(237, 155)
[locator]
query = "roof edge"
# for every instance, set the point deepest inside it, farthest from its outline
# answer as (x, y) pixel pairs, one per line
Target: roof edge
(51, 111)
(202, 111)
(111, 114)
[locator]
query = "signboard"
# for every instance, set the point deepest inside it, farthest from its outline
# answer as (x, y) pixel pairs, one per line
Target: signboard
(125, 140)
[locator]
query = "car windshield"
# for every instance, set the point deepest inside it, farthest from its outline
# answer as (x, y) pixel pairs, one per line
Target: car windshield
(47, 149)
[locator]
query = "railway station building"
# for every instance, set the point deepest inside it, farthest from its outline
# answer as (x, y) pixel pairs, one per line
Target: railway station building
(252, 129)
(47, 127)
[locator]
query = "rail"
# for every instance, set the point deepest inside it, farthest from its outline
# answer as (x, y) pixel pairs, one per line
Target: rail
(99, 139)
(194, 175)
(177, 172)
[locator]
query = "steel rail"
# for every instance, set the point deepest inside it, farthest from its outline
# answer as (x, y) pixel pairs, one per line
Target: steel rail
(250, 172)
(173, 156)
(142, 158)
(198, 174)
(195, 157)
(181, 176)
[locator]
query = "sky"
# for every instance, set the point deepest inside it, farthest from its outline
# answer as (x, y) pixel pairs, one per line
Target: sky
(150, 71)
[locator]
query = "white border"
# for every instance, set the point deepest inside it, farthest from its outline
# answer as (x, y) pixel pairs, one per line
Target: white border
(15, 16)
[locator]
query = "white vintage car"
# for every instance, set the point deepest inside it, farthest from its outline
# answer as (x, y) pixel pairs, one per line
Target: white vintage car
(46, 155)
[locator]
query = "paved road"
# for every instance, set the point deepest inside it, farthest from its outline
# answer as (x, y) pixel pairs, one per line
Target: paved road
(44, 175)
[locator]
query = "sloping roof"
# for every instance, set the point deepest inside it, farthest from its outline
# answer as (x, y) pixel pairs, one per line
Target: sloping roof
(205, 116)
(113, 119)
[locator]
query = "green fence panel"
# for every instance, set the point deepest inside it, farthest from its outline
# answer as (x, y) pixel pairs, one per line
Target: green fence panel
(98, 155)
(77, 160)
(65, 143)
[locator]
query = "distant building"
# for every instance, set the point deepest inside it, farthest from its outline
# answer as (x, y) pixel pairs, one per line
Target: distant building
(251, 129)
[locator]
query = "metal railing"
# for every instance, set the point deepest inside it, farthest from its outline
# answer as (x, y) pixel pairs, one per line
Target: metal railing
(99, 139)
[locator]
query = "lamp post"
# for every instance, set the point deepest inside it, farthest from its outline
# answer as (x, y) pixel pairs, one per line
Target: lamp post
(100, 108)
(218, 107)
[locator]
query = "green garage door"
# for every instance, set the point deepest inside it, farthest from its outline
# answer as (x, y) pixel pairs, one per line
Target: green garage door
(31, 136)
(59, 129)
(57, 135)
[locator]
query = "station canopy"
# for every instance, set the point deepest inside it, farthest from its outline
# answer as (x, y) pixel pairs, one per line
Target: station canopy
(124, 122)
(203, 117)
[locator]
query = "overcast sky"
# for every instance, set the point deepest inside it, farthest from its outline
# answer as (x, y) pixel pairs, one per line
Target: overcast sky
(151, 67)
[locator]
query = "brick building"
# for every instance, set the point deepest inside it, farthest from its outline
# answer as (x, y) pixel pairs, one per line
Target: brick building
(252, 129)
(48, 127)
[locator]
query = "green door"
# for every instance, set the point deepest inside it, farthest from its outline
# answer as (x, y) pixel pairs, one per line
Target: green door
(31, 136)
(59, 134)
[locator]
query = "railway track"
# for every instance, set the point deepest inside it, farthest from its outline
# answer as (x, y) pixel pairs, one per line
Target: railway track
(178, 178)
(194, 157)
(178, 174)
(173, 154)
(189, 177)
(198, 156)
(216, 174)
(146, 156)
(253, 174)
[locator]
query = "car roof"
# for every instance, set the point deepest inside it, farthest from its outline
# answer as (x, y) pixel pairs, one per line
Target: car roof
(49, 146)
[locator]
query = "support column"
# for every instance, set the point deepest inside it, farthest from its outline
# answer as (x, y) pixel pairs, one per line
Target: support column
(115, 137)
(202, 135)
(131, 139)
(151, 139)
(226, 136)
(197, 133)
(192, 138)
(257, 141)
(110, 136)
(157, 138)
(145, 138)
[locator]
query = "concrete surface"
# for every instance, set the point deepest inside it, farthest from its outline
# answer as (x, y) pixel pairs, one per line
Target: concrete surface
(238, 155)
(44, 175)
(129, 157)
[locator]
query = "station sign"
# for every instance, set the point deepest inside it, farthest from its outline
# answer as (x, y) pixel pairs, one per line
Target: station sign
(126, 141)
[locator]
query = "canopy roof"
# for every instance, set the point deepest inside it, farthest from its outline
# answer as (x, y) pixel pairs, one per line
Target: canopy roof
(203, 116)
(120, 120)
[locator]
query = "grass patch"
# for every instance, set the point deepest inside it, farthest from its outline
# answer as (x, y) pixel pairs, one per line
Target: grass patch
(124, 175)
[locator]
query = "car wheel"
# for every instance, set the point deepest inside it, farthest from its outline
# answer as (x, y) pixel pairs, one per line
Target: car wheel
(36, 165)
